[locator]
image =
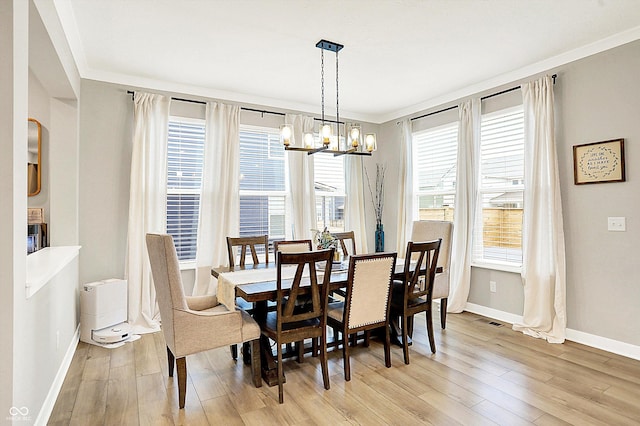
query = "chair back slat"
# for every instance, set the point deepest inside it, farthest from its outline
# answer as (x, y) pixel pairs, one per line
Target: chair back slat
(424, 260)
(249, 243)
(302, 286)
(346, 236)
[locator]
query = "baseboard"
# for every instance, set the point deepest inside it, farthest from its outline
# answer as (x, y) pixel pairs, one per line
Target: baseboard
(493, 313)
(598, 342)
(604, 343)
(54, 390)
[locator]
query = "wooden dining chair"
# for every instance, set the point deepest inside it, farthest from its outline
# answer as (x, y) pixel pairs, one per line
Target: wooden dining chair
(348, 236)
(246, 245)
(367, 302)
(252, 244)
(411, 295)
(292, 246)
(288, 324)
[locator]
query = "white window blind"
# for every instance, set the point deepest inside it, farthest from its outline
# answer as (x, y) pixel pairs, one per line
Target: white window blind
(263, 193)
(434, 172)
(498, 230)
(185, 151)
(330, 191)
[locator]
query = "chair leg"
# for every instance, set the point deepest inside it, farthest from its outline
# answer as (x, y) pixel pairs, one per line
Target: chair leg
(432, 341)
(367, 336)
(323, 359)
(410, 326)
(300, 348)
(405, 343)
(443, 312)
(182, 380)
(387, 346)
(256, 366)
(345, 356)
(280, 374)
(234, 351)
(314, 347)
(172, 360)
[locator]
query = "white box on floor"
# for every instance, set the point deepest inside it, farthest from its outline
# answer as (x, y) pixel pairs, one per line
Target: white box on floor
(103, 312)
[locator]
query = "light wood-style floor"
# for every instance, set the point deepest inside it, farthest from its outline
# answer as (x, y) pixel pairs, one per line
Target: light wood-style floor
(481, 374)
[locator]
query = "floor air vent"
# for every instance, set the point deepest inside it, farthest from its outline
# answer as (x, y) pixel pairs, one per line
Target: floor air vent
(496, 324)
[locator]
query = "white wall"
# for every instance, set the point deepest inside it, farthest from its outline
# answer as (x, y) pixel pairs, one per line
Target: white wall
(13, 185)
(597, 98)
(37, 331)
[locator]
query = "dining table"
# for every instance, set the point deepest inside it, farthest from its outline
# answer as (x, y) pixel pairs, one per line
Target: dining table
(256, 284)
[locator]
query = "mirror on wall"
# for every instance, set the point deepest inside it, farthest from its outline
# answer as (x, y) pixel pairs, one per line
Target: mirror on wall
(34, 157)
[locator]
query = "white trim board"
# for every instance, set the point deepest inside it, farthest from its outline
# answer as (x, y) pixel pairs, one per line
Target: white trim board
(598, 342)
(56, 386)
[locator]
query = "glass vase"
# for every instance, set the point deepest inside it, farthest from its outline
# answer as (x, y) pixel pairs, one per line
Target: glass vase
(379, 238)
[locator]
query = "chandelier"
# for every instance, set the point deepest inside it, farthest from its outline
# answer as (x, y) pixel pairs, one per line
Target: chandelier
(334, 137)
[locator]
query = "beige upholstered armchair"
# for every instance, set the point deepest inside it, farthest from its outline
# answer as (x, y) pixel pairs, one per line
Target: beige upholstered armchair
(428, 230)
(194, 324)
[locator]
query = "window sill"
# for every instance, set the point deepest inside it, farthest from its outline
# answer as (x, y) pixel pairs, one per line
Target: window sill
(187, 265)
(498, 267)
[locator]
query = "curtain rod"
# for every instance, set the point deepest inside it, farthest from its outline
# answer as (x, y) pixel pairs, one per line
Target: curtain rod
(193, 101)
(261, 111)
(482, 99)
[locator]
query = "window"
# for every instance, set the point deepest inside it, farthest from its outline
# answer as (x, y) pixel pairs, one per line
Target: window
(498, 232)
(434, 172)
(330, 191)
(263, 190)
(185, 151)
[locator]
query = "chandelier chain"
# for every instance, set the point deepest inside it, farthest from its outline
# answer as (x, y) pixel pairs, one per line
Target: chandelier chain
(322, 81)
(337, 101)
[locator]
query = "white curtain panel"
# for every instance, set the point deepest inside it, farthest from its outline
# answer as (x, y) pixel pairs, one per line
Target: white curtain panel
(219, 200)
(466, 202)
(147, 205)
(405, 189)
(543, 251)
(301, 182)
(355, 207)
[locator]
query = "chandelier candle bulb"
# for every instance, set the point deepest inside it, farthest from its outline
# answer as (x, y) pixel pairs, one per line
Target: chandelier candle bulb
(370, 142)
(285, 134)
(308, 140)
(354, 135)
(326, 134)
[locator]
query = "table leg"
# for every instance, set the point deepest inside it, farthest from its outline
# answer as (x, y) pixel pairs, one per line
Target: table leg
(269, 364)
(396, 332)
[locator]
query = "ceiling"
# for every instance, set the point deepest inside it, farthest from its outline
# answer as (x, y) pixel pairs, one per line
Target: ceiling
(400, 56)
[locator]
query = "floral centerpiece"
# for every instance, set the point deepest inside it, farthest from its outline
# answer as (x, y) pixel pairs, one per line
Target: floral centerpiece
(326, 240)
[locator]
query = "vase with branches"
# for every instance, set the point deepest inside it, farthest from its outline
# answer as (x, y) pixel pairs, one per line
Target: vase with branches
(377, 199)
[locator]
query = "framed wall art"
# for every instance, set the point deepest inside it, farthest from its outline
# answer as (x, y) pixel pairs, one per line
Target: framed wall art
(599, 162)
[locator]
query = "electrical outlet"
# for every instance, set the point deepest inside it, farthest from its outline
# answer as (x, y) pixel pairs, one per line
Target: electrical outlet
(492, 286)
(617, 224)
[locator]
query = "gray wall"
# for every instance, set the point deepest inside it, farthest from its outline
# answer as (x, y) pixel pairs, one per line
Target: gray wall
(597, 99)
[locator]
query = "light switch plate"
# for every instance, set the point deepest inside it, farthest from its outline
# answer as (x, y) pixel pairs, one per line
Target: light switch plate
(617, 224)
